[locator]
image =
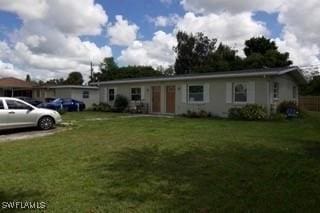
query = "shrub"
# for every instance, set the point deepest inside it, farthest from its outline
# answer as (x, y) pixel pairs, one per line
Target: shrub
(120, 104)
(104, 107)
(234, 113)
(250, 112)
(101, 107)
(285, 105)
(200, 114)
(254, 112)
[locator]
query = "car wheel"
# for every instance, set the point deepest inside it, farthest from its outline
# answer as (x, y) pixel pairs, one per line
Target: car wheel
(46, 123)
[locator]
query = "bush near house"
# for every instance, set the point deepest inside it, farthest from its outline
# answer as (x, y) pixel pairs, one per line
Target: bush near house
(101, 107)
(197, 114)
(120, 104)
(250, 112)
(285, 105)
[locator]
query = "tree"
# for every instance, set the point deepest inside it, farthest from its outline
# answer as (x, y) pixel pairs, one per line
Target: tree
(109, 70)
(169, 71)
(28, 78)
(262, 52)
(192, 51)
(55, 81)
(74, 78)
(313, 87)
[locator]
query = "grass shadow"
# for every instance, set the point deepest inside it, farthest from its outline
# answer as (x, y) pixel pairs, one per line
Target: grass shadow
(7, 199)
(201, 180)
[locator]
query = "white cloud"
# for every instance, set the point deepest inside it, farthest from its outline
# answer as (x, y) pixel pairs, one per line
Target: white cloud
(122, 33)
(49, 45)
(232, 6)
(301, 19)
(22, 8)
(157, 52)
(227, 28)
(8, 70)
(79, 17)
(300, 54)
(165, 21)
(301, 30)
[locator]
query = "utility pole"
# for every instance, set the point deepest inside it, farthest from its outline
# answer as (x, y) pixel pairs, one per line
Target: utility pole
(91, 71)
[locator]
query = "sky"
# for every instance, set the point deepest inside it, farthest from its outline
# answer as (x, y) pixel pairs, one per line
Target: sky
(50, 38)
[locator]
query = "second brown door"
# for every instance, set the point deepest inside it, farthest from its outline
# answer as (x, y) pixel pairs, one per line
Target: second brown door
(170, 99)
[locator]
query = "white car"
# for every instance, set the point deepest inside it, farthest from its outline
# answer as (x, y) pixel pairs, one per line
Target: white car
(15, 113)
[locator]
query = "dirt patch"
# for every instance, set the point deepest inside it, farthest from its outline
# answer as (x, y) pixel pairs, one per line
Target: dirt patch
(13, 135)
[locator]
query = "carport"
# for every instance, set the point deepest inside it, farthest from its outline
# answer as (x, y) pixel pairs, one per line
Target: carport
(13, 87)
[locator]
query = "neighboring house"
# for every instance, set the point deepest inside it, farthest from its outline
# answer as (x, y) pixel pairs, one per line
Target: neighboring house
(87, 94)
(13, 87)
(213, 92)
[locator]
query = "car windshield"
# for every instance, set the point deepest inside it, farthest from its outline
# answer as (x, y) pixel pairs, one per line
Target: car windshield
(58, 100)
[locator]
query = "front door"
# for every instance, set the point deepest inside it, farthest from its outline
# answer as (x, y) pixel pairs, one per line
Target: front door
(156, 99)
(170, 99)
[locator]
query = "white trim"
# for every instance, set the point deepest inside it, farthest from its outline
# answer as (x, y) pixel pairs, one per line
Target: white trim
(234, 92)
(229, 92)
(197, 77)
(72, 87)
(203, 95)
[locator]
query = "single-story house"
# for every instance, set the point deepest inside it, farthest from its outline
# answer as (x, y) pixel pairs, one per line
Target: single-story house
(87, 94)
(13, 87)
(214, 92)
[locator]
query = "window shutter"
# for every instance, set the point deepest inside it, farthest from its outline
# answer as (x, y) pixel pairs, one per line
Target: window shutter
(184, 93)
(115, 92)
(142, 93)
(229, 92)
(207, 93)
(251, 92)
(106, 95)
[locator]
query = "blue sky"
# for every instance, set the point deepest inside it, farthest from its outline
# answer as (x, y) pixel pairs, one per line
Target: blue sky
(59, 36)
(138, 13)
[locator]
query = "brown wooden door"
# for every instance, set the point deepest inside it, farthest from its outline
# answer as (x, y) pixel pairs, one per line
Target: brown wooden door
(156, 99)
(170, 99)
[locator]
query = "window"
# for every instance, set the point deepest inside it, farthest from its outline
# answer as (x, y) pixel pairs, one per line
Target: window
(1, 105)
(240, 93)
(85, 94)
(276, 90)
(12, 104)
(135, 94)
(111, 94)
(294, 92)
(196, 93)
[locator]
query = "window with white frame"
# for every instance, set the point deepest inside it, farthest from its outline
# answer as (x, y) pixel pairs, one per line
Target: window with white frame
(276, 90)
(85, 94)
(196, 93)
(294, 92)
(111, 94)
(240, 92)
(136, 94)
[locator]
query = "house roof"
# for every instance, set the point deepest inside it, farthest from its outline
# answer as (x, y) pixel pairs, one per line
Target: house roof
(14, 83)
(294, 71)
(72, 87)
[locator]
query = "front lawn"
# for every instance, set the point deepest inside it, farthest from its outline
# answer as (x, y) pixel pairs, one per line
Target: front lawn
(111, 163)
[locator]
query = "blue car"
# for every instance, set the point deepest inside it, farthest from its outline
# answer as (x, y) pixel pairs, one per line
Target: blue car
(66, 104)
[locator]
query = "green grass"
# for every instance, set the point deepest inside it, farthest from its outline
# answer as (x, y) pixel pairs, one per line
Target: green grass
(167, 165)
